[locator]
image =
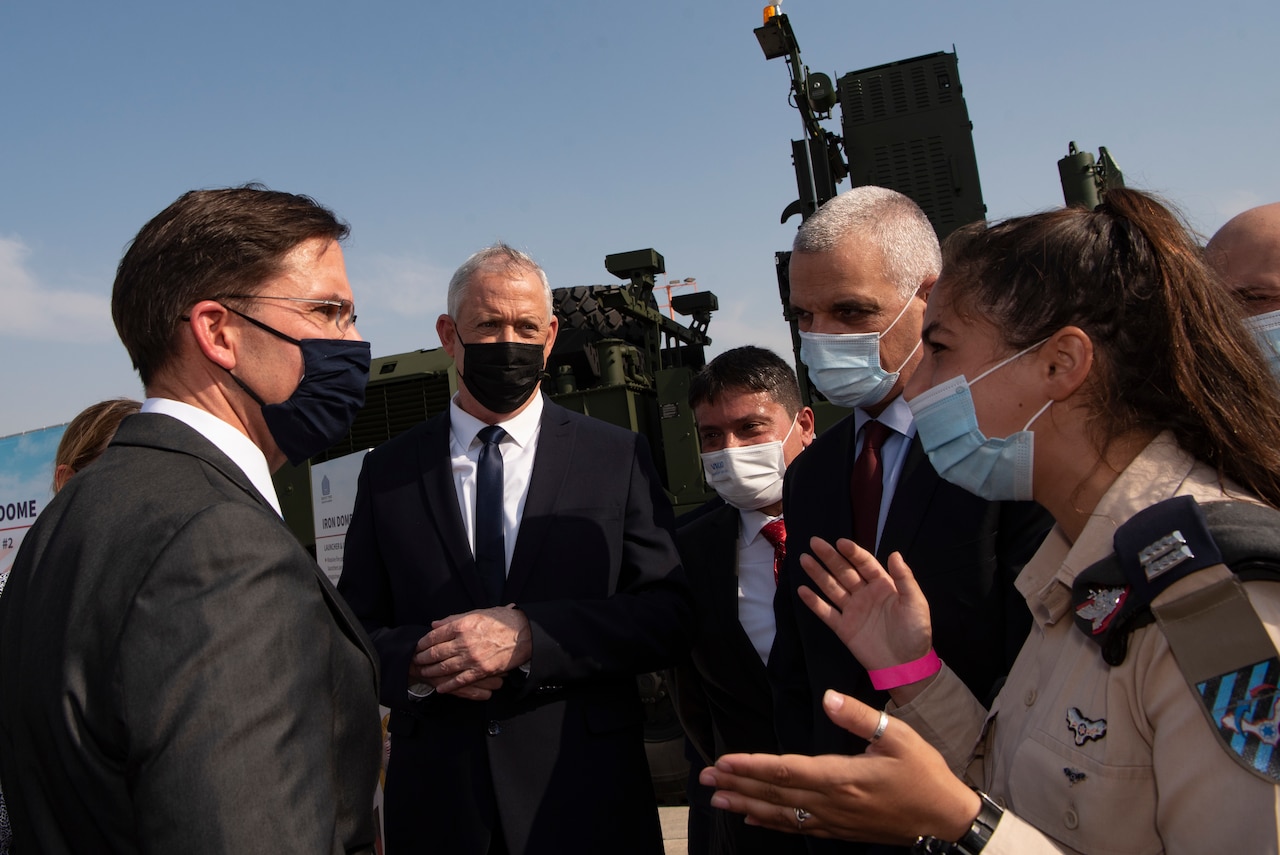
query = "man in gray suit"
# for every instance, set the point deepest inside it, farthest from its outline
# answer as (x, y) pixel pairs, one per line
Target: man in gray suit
(176, 674)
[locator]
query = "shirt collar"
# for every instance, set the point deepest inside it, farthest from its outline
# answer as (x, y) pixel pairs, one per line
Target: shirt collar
(231, 442)
(896, 416)
(752, 522)
(522, 428)
(1161, 471)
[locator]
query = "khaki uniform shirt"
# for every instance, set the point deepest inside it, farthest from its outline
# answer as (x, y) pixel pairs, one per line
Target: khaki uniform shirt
(1156, 780)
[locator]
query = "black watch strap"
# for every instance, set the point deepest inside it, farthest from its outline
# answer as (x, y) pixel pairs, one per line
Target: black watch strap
(974, 840)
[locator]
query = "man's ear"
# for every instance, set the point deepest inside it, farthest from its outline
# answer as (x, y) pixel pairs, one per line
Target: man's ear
(447, 331)
(552, 328)
(1067, 359)
(805, 421)
(212, 333)
(926, 287)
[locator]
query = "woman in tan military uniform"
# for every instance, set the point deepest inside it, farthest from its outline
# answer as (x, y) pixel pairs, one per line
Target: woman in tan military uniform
(1114, 375)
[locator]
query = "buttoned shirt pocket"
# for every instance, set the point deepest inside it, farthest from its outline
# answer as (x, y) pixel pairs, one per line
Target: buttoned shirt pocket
(1072, 794)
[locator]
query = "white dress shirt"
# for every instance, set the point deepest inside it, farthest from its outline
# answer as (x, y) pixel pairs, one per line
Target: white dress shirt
(893, 452)
(756, 583)
(518, 449)
(230, 441)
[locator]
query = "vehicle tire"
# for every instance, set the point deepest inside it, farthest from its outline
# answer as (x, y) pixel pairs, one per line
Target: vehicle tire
(581, 308)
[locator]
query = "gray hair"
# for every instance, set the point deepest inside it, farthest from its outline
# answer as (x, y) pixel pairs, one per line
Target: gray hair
(890, 220)
(499, 256)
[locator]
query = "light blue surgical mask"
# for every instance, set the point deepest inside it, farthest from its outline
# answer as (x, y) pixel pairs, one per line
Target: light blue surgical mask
(1266, 331)
(993, 469)
(846, 366)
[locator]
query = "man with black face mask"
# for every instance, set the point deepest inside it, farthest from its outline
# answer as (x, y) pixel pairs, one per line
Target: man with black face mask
(176, 673)
(513, 563)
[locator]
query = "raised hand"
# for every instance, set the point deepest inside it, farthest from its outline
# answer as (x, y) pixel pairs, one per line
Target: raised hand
(881, 616)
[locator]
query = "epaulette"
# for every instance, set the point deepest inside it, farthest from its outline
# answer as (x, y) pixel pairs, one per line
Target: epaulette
(1219, 642)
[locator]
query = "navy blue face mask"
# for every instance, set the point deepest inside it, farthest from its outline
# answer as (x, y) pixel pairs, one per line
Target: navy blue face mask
(321, 410)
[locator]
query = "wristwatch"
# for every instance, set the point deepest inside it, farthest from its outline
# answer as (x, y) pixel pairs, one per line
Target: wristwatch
(974, 840)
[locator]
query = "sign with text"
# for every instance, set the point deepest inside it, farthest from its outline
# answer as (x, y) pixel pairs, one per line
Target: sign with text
(26, 485)
(333, 496)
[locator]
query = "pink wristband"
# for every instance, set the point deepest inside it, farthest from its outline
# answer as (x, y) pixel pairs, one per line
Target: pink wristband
(906, 673)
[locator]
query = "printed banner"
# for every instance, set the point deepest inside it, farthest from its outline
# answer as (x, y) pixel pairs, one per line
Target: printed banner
(26, 485)
(333, 495)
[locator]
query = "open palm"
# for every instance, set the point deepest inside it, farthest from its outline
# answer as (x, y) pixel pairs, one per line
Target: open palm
(880, 615)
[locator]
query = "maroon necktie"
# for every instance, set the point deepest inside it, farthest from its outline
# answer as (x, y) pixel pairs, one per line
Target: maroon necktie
(776, 533)
(866, 486)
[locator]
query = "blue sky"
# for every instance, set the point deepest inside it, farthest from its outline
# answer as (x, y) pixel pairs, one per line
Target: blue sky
(570, 129)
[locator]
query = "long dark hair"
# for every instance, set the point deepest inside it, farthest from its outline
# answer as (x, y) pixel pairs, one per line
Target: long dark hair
(1170, 349)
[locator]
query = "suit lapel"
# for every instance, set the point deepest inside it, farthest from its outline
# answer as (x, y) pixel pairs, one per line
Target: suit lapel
(836, 509)
(434, 462)
(911, 499)
(169, 434)
(721, 556)
(550, 468)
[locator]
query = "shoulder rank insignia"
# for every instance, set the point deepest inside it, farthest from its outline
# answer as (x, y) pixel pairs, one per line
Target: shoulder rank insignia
(1085, 728)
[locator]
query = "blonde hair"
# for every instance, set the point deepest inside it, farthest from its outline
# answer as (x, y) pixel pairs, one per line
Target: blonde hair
(89, 434)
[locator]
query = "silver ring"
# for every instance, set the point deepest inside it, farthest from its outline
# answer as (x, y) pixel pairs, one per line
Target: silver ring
(801, 816)
(884, 722)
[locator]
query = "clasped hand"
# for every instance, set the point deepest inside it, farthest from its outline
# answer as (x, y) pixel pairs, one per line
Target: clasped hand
(468, 654)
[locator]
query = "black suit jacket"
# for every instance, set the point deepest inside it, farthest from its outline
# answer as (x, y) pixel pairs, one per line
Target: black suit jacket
(965, 553)
(722, 691)
(176, 673)
(557, 756)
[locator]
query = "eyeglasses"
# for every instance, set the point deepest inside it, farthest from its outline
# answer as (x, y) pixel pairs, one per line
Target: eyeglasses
(340, 313)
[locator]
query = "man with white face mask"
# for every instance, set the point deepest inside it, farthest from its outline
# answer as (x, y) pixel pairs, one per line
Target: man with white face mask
(751, 426)
(862, 268)
(1245, 253)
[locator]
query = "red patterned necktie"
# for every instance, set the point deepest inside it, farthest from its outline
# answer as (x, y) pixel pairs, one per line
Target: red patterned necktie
(866, 486)
(776, 533)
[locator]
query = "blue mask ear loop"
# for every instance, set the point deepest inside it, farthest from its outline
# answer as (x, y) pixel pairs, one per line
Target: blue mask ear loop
(1001, 364)
(880, 338)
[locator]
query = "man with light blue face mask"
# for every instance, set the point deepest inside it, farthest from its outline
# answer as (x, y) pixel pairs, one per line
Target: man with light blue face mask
(862, 269)
(1245, 253)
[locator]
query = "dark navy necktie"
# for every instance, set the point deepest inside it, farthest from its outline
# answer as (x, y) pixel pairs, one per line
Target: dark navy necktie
(491, 549)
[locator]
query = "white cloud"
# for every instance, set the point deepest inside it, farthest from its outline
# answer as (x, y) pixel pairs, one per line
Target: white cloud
(36, 311)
